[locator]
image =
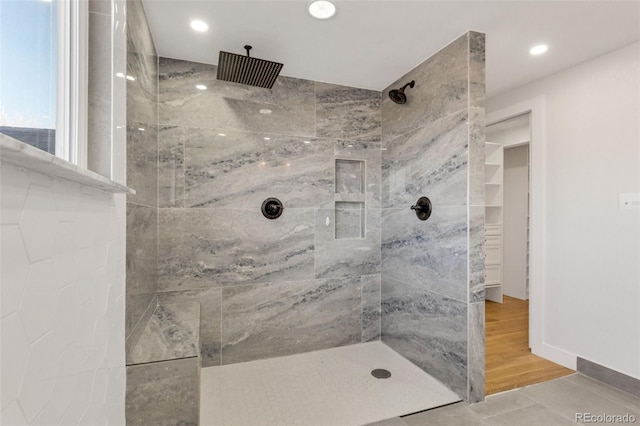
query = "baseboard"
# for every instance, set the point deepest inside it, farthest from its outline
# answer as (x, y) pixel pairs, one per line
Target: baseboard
(610, 377)
(559, 356)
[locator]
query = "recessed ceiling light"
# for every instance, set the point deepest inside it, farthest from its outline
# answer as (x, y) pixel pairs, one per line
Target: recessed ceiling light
(265, 111)
(131, 78)
(322, 9)
(539, 49)
(141, 129)
(267, 139)
(222, 134)
(200, 26)
(201, 87)
(307, 141)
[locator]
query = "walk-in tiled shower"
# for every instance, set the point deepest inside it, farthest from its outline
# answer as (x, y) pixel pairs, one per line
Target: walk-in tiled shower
(347, 262)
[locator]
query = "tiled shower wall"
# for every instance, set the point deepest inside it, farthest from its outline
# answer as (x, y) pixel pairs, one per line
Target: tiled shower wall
(142, 175)
(433, 271)
(268, 287)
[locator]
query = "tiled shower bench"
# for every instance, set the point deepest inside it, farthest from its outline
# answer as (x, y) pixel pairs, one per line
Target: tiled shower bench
(163, 368)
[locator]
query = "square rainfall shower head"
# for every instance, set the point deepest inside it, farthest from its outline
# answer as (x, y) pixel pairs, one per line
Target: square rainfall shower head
(247, 70)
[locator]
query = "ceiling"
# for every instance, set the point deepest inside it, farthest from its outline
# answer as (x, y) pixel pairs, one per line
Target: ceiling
(370, 44)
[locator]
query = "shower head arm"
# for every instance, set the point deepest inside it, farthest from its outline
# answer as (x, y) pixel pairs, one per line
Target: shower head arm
(410, 84)
(249, 47)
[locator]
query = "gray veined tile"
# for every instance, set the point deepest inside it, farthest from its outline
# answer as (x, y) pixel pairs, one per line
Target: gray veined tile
(139, 39)
(142, 88)
(142, 163)
(210, 300)
(430, 253)
(369, 153)
(477, 139)
(141, 255)
(428, 161)
(441, 88)
(171, 166)
(200, 248)
(171, 333)
(283, 318)
(346, 257)
(476, 254)
(242, 169)
(476, 354)
(476, 69)
(345, 112)
(370, 308)
(163, 393)
(428, 329)
(233, 106)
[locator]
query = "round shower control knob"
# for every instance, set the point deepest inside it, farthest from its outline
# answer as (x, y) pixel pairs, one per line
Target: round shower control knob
(272, 208)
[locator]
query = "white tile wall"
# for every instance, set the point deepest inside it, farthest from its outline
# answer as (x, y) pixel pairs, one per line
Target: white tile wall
(62, 263)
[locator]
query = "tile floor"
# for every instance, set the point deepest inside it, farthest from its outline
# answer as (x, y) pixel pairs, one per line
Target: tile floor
(332, 387)
(553, 403)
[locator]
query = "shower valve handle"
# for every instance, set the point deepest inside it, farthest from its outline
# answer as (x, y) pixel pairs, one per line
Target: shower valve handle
(422, 208)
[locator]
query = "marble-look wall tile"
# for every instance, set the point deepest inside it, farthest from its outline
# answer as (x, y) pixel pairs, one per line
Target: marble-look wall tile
(210, 300)
(369, 152)
(349, 220)
(428, 329)
(171, 166)
(477, 139)
(242, 169)
(138, 310)
(344, 112)
(429, 161)
(233, 106)
(171, 333)
(139, 39)
(346, 257)
(432, 253)
(142, 162)
(201, 248)
(476, 70)
(476, 254)
(370, 308)
(141, 248)
(475, 366)
(163, 393)
(142, 88)
(441, 89)
(283, 318)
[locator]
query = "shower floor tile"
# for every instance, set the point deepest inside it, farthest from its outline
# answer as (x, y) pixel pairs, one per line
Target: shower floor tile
(331, 387)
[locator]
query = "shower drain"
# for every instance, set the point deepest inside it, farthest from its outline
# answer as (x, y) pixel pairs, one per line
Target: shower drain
(381, 373)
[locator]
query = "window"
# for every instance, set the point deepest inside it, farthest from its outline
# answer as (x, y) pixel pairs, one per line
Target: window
(43, 75)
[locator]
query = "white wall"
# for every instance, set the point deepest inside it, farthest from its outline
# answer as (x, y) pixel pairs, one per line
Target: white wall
(62, 288)
(592, 251)
(62, 279)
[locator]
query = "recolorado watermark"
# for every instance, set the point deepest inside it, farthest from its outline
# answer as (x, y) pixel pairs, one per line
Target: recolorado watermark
(605, 418)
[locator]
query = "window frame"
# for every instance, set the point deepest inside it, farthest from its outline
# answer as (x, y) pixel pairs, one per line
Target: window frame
(72, 81)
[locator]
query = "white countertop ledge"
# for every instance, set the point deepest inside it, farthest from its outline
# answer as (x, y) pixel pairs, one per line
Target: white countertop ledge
(28, 157)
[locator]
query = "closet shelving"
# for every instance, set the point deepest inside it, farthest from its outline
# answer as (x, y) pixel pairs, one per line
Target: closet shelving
(494, 180)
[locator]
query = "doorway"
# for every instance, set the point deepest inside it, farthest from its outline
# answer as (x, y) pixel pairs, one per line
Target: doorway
(509, 361)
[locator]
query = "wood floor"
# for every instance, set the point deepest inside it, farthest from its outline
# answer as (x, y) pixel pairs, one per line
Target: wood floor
(509, 363)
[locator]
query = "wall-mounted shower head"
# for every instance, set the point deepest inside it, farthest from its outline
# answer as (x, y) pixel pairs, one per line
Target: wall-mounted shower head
(398, 96)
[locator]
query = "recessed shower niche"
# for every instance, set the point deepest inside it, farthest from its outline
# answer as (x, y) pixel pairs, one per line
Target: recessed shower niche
(349, 199)
(350, 176)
